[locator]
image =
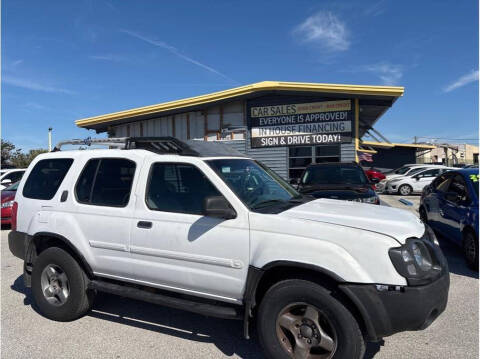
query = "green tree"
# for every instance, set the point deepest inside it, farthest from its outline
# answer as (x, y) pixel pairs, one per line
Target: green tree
(13, 156)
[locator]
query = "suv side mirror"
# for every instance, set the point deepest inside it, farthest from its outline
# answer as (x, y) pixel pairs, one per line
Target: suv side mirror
(6, 181)
(218, 207)
(452, 196)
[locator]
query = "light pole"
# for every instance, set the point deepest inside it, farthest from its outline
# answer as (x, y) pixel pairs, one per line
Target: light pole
(49, 139)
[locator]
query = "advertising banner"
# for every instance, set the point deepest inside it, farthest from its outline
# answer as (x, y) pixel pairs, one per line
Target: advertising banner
(299, 124)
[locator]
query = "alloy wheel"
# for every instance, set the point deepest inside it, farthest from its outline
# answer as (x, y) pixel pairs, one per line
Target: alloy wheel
(305, 332)
(55, 285)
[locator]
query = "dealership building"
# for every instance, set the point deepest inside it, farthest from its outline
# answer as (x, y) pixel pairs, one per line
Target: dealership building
(285, 125)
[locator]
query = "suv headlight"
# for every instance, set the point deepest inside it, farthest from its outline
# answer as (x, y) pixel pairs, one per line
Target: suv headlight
(420, 261)
(7, 204)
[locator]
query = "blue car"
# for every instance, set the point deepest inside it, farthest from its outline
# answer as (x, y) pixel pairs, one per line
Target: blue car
(450, 206)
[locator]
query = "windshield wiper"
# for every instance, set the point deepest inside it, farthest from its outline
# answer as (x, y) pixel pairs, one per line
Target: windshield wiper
(268, 203)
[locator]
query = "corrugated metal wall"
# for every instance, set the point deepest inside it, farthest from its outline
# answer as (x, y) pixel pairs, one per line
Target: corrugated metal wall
(347, 152)
(275, 157)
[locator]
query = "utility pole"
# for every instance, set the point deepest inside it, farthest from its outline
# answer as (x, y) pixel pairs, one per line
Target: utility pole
(415, 139)
(49, 139)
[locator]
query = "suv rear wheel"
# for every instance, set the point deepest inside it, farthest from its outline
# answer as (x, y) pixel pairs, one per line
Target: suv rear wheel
(59, 286)
(300, 319)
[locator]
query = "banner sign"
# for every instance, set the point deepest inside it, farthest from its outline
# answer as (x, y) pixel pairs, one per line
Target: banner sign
(301, 124)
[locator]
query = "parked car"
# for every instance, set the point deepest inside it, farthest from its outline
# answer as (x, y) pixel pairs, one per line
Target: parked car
(414, 183)
(450, 206)
(8, 196)
(10, 176)
(336, 180)
(374, 173)
(222, 235)
(407, 170)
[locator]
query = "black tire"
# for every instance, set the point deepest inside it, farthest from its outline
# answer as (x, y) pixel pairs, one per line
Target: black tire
(79, 300)
(470, 249)
(348, 338)
(405, 190)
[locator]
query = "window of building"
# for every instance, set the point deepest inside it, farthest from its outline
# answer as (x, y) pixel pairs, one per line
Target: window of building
(106, 182)
(178, 188)
(299, 157)
(46, 177)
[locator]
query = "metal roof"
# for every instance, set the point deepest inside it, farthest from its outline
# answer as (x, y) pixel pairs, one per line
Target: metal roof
(384, 95)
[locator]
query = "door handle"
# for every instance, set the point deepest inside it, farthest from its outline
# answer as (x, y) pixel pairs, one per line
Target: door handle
(144, 224)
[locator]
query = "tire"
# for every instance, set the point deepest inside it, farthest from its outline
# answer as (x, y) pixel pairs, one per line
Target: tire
(337, 323)
(470, 249)
(56, 298)
(405, 190)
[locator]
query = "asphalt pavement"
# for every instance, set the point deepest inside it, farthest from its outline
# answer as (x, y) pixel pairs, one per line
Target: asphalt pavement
(124, 328)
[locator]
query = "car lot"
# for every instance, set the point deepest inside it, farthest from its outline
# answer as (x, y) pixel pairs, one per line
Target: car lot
(124, 328)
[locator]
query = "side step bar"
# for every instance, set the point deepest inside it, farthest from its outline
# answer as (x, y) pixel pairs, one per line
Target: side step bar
(206, 309)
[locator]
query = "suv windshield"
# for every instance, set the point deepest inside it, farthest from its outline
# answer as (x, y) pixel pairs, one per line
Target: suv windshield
(334, 174)
(257, 186)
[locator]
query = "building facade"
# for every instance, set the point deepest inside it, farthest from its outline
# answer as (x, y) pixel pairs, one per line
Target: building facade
(287, 126)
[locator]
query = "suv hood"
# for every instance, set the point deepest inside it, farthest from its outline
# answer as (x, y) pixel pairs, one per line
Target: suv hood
(393, 222)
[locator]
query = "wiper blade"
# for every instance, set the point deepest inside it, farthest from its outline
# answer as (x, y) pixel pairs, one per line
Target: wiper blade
(268, 203)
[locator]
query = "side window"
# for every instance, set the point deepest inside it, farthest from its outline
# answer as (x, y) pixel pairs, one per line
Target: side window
(106, 182)
(430, 173)
(14, 176)
(458, 186)
(46, 177)
(179, 188)
(442, 182)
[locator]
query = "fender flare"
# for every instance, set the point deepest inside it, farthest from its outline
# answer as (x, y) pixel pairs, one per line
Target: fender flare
(76, 253)
(255, 275)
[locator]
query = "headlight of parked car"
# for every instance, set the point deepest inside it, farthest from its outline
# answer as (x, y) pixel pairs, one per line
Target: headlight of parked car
(420, 261)
(7, 204)
(373, 199)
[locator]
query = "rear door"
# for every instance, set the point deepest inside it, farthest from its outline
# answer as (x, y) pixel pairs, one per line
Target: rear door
(435, 200)
(104, 206)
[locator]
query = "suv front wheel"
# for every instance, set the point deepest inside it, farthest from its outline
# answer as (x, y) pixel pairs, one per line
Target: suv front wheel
(59, 286)
(300, 319)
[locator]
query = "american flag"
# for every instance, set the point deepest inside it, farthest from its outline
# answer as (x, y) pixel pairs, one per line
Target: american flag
(367, 157)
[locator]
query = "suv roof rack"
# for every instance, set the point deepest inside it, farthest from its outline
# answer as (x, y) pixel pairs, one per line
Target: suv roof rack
(161, 145)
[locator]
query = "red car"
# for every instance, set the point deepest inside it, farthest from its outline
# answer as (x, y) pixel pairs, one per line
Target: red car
(8, 195)
(374, 173)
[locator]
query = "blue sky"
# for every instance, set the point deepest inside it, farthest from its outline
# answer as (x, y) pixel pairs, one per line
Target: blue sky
(65, 60)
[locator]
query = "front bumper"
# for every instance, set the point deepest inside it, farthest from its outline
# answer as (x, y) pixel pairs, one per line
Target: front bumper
(397, 309)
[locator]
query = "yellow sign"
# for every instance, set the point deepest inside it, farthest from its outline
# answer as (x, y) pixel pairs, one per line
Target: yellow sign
(301, 108)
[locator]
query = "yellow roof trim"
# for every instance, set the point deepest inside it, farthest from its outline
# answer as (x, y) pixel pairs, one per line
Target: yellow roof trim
(390, 145)
(366, 151)
(392, 91)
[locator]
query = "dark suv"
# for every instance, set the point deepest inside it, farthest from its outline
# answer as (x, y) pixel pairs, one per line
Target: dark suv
(337, 180)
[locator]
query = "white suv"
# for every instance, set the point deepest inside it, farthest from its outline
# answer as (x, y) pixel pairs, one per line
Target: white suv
(197, 227)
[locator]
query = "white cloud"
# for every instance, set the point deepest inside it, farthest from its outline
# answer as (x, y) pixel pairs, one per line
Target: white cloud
(462, 81)
(324, 29)
(32, 85)
(390, 74)
(109, 57)
(175, 51)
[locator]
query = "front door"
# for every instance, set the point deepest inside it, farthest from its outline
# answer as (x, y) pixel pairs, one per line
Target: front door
(425, 178)
(174, 246)
(453, 212)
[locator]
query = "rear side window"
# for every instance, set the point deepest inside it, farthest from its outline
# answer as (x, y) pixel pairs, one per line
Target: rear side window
(46, 177)
(106, 182)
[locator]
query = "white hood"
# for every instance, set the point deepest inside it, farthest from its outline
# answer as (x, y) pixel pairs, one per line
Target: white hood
(396, 223)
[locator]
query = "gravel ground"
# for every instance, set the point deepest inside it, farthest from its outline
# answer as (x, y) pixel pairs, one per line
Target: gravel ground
(124, 328)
